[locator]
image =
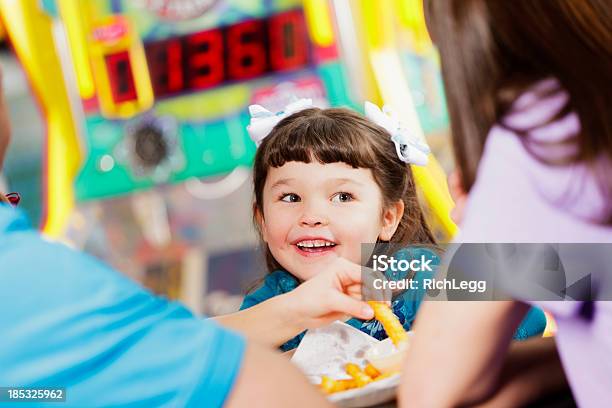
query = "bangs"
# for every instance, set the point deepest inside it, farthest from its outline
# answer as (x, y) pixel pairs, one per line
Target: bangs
(326, 136)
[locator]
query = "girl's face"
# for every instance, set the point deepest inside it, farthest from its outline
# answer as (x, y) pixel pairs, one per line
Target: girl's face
(313, 212)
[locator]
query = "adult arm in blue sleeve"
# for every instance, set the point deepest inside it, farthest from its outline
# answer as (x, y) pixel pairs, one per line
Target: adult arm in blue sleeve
(70, 321)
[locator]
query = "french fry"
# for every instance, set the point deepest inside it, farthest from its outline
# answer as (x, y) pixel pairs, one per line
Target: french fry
(371, 371)
(330, 386)
(389, 321)
(343, 385)
(386, 375)
(358, 375)
(327, 384)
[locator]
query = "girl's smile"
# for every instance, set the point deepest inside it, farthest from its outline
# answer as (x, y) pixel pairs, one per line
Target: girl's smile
(314, 246)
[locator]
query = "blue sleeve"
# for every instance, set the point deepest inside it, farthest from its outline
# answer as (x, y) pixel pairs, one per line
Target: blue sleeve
(69, 321)
(275, 283)
(533, 324)
(263, 293)
(406, 305)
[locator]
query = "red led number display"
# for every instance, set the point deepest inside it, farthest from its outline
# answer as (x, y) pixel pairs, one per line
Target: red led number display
(210, 58)
(288, 50)
(123, 88)
(246, 50)
(205, 65)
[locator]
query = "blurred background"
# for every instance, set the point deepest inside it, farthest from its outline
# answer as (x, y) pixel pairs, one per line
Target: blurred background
(129, 116)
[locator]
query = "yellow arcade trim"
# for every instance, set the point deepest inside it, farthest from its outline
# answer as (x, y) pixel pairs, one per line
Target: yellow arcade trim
(319, 22)
(412, 17)
(30, 30)
(395, 92)
(370, 91)
(76, 16)
(132, 44)
(386, 65)
(377, 18)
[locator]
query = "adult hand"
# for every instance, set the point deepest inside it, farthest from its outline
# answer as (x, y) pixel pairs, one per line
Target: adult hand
(331, 295)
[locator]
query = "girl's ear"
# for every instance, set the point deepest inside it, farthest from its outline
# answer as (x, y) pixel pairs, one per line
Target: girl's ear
(261, 223)
(391, 219)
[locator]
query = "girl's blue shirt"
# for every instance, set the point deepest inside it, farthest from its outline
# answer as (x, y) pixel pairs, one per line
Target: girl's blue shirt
(405, 304)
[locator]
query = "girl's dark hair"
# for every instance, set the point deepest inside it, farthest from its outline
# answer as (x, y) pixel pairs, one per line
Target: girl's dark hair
(341, 135)
(493, 50)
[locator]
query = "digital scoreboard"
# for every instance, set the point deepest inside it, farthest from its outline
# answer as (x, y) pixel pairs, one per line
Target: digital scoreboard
(210, 58)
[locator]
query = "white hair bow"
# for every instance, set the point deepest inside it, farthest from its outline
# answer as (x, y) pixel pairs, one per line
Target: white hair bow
(408, 147)
(263, 121)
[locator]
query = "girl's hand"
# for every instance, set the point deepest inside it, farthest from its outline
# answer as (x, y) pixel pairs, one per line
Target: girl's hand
(331, 295)
(459, 196)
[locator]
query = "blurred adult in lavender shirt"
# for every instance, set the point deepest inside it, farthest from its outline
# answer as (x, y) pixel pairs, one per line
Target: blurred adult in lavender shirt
(528, 90)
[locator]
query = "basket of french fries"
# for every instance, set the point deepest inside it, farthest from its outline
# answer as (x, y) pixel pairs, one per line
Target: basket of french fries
(352, 368)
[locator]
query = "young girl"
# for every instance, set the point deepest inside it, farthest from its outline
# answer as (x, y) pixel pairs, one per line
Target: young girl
(327, 181)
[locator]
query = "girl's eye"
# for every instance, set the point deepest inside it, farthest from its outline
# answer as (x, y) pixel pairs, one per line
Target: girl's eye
(342, 197)
(290, 198)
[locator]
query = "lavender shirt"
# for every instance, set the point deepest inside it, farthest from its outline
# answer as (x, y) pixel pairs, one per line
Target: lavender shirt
(516, 198)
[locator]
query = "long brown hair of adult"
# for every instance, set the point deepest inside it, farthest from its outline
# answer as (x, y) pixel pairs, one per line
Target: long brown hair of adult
(341, 135)
(492, 50)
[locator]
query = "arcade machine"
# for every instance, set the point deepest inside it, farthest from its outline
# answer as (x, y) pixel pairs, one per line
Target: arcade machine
(146, 108)
(390, 50)
(144, 100)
